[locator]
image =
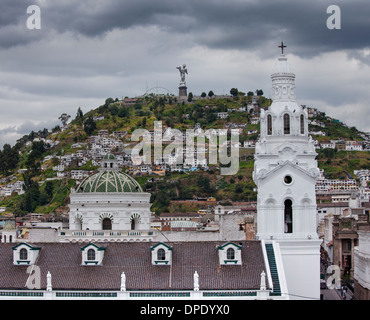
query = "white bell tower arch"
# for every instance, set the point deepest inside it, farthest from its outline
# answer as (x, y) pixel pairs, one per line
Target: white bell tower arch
(285, 172)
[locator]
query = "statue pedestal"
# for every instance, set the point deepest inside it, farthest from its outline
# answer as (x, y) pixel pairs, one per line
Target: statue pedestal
(183, 91)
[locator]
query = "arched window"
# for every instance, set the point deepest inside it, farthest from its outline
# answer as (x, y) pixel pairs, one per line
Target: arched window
(91, 254)
(302, 124)
(133, 224)
(161, 254)
(286, 124)
(269, 125)
(107, 224)
(78, 222)
(230, 254)
(288, 216)
(23, 254)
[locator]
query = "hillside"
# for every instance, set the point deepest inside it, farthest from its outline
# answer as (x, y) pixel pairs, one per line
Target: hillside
(33, 160)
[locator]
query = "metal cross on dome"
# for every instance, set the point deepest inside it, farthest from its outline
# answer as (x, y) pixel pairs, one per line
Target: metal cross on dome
(282, 47)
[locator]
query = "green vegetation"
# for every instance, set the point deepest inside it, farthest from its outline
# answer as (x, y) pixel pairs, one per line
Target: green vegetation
(44, 195)
(338, 164)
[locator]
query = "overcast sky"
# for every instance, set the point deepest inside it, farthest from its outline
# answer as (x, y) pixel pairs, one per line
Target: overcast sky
(87, 51)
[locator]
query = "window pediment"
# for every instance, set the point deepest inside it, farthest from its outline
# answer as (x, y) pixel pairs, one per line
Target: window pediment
(230, 254)
(161, 254)
(25, 254)
(92, 254)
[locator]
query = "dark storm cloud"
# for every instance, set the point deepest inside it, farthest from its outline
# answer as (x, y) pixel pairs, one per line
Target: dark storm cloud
(236, 24)
(89, 50)
(13, 20)
(217, 24)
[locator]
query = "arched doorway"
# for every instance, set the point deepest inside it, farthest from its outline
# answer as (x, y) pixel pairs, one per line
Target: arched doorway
(288, 216)
(78, 224)
(133, 224)
(135, 220)
(107, 224)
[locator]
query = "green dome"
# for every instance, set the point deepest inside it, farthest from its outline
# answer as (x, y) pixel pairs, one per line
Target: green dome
(109, 156)
(109, 181)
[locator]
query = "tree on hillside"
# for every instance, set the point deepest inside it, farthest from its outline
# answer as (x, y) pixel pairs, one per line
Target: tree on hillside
(49, 190)
(38, 148)
(89, 125)
(190, 97)
(43, 133)
(8, 158)
(204, 183)
(79, 116)
(203, 95)
(108, 101)
(64, 118)
(113, 109)
(123, 112)
(211, 94)
(234, 92)
(55, 129)
(160, 201)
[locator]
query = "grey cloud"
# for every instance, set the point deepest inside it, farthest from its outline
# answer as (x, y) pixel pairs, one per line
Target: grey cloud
(12, 133)
(238, 24)
(89, 50)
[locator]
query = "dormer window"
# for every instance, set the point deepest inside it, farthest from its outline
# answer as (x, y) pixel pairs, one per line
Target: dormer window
(161, 254)
(230, 253)
(92, 254)
(23, 253)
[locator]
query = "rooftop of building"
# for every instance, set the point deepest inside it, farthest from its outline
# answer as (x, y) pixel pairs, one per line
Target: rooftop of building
(63, 261)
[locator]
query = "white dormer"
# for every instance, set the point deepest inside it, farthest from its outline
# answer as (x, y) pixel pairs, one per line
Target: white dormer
(230, 253)
(161, 254)
(24, 253)
(92, 254)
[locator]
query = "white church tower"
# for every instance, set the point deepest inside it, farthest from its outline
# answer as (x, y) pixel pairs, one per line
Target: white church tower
(285, 172)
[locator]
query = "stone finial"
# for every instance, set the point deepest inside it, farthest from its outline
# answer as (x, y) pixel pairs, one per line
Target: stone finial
(123, 281)
(196, 281)
(263, 281)
(48, 282)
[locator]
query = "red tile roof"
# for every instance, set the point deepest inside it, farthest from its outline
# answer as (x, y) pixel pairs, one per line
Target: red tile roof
(63, 260)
